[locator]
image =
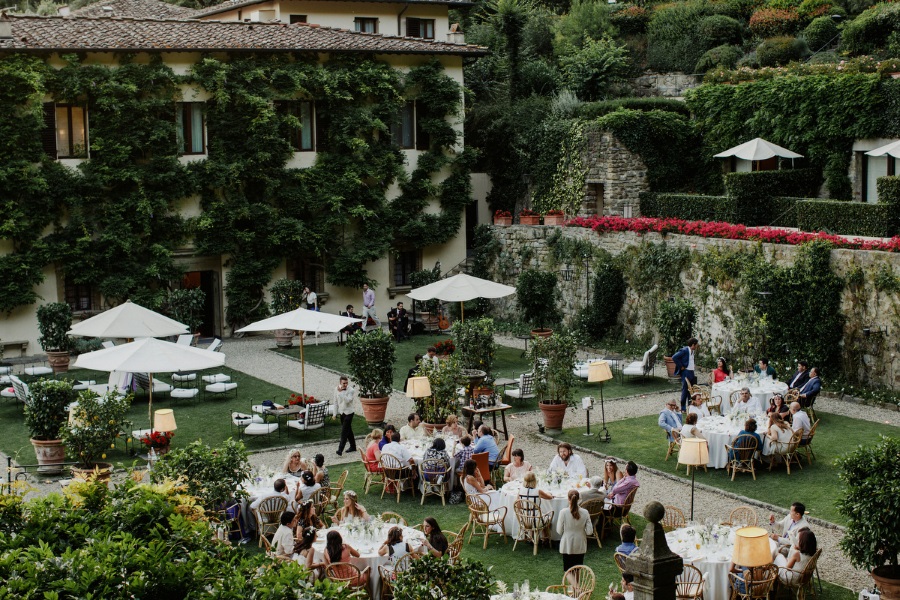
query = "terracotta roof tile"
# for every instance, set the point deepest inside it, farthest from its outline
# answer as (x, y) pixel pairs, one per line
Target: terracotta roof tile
(232, 4)
(31, 33)
(139, 9)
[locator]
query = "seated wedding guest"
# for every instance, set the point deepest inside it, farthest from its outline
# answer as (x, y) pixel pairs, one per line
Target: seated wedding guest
(386, 439)
(749, 429)
(373, 450)
(800, 421)
(690, 429)
(670, 418)
(294, 464)
(779, 434)
(307, 517)
(529, 491)
(307, 486)
(594, 492)
(611, 473)
(351, 509)
(320, 471)
(414, 429)
(517, 466)
(777, 405)
(744, 402)
(566, 460)
(721, 372)
(628, 535)
(790, 526)
(436, 542)
(337, 551)
(438, 450)
(305, 554)
(619, 492)
(811, 388)
(487, 443)
(798, 557)
(394, 547)
(398, 450)
(698, 406)
(283, 539)
(799, 379)
(473, 482)
(628, 586)
(453, 427)
(764, 368)
(279, 489)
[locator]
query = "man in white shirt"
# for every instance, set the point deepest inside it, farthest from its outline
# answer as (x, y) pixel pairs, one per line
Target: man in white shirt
(414, 429)
(283, 540)
(790, 525)
(345, 400)
(698, 406)
(743, 404)
(800, 420)
(279, 489)
(431, 354)
(398, 450)
(566, 461)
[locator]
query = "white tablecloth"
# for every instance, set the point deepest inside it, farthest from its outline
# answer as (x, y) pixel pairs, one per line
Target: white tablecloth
(509, 493)
(711, 556)
(367, 546)
(719, 431)
(760, 391)
(530, 596)
(417, 449)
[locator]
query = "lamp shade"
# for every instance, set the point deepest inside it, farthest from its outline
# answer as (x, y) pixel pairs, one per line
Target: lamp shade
(599, 372)
(418, 387)
(694, 452)
(164, 420)
(751, 547)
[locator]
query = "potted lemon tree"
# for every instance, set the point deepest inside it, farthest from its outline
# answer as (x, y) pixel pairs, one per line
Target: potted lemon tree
(554, 380)
(45, 414)
(94, 424)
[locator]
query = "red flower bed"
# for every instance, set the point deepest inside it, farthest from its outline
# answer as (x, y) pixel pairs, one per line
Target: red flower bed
(301, 399)
(729, 231)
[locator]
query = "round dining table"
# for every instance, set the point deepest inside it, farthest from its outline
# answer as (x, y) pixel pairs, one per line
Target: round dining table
(367, 544)
(709, 548)
(418, 447)
(527, 595)
(719, 431)
(510, 491)
(761, 391)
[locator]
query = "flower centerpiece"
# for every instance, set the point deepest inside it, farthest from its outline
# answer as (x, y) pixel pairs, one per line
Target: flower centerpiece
(158, 440)
(502, 218)
(555, 478)
(529, 217)
(365, 528)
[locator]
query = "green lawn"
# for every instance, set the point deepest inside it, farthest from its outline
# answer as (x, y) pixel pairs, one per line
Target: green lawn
(508, 363)
(541, 570)
(207, 418)
(815, 485)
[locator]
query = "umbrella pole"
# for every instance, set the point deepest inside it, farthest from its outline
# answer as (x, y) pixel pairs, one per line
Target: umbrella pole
(462, 311)
(150, 403)
(302, 367)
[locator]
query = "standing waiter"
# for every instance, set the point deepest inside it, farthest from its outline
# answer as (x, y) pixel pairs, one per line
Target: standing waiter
(345, 399)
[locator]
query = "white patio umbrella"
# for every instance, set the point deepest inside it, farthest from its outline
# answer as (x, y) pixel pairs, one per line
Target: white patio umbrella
(302, 320)
(892, 149)
(758, 149)
(150, 355)
(128, 320)
(460, 288)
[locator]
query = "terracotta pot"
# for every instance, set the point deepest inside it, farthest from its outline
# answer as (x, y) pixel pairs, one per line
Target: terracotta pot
(670, 366)
(553, 416)
(430, 427)
(887, 578)
(541, 332)
(58, 360)
(102, 471)
(529, 220)
(554, 219)
(284, 338)
(374, 410)
(503, 221)
(50, 455)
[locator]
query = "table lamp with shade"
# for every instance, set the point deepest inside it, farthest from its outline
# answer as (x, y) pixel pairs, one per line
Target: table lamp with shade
(751, 547)
(598, 372)
(164, 420)
(694, 452)
(418, 387)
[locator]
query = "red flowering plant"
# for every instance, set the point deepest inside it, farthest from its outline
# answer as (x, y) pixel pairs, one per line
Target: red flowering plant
(445, 347)
(158, 439)
(555, 213)
(302, 399)
(502, 214)
(527, 212)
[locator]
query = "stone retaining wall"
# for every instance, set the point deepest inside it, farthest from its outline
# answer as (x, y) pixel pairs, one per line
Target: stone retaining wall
(665, 85)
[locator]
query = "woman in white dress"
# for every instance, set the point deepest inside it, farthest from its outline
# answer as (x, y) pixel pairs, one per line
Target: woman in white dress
(394, 547)
(798, 557)
(778, 434)
(690, 429)
(574, 526)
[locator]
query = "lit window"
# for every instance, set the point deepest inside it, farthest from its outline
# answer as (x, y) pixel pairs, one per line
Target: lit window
(71, 131)
(189, 121)
(366, 24)
(302, 138)
(420, 28)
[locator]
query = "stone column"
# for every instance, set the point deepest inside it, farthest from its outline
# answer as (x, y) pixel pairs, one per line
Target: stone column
(653, 565)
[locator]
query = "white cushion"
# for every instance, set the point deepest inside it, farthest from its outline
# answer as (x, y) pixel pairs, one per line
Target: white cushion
(241, 419)
(517, 393)
(83, 385)
(38, 371)
(220, 388)
(183, 393)
(184, 377)
(8, 393)
(301, 425)
(260, 428)
(139, 434)
(162, 387)
(635, 368)
(5, 380)
(5, 370)
(217, 378)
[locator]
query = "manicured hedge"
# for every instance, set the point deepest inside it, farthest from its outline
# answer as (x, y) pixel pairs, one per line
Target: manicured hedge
(690, 207)
(871, 30)
(593, 110)
(751, 192)
(783, 211)
(889, 195)
(847, 218)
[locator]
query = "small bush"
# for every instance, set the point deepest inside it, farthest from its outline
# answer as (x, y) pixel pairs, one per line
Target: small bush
(772, 22)
(718, 30)
(811, 9)
(721, 56)
(742, 9)
(630, 19)
(783, 4)
(848, 218)
(593, 110)
(592, 69)
(673, 43)
(870, 31)
(608, 295)
(820, 32)
(778, 51)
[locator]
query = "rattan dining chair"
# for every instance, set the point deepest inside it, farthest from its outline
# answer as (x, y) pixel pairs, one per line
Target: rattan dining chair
(268, 516)
(335, 491)
(455, 546)
(577, 582)
(373, 473)
(397, 474)
(674, 445)
(754, 584)
(617, 514)
(619, 558)
(350, 575)
(740, 455)
(533, 524)
(434, 474)
(689, 585)
(787, 452)
(807, 443)
(673, 519)
(799, 582)
(394, 518)
(742, 516)
(482, 519)
(595, 512)
(389, 572)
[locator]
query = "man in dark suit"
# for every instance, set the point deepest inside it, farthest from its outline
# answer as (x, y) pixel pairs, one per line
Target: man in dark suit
(684, 368)
(799, 379)
(811, 388)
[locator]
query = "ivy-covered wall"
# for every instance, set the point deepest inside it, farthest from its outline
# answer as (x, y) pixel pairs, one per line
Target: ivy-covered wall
(839, 309)
(115, 221)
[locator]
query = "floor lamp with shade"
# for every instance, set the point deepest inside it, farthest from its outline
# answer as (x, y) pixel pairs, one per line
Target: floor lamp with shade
(751, 547)
(598, 372)
(694, 452)
(418, 387)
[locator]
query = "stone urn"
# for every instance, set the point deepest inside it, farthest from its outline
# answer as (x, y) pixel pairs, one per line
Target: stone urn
(541, 332)
(284, 338)
(670, 366)
(59, 361)
(50, 455)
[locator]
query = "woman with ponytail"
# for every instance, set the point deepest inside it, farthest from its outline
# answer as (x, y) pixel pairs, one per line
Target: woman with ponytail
(574, 526)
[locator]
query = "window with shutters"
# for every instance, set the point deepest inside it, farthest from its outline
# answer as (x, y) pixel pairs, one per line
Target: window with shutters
(189, 128)
(65, 132)
(420, 28)
(303, 138)
(366, 24)
(403, 131)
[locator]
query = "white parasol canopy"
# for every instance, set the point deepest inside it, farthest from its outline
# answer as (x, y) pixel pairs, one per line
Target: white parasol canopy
(149, 355)
(460, 288)
(302, 320)
(128, 320)
(758, 149)
(892, 149)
